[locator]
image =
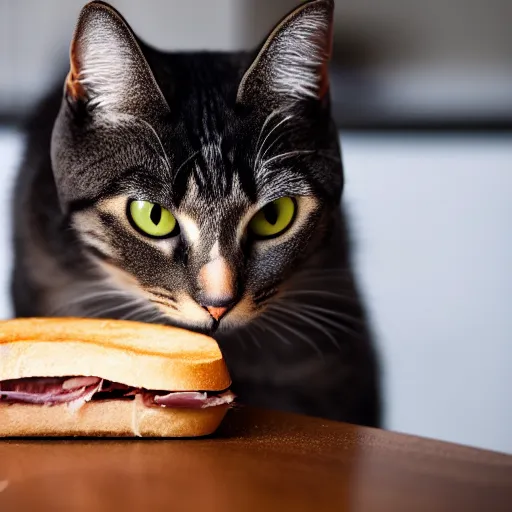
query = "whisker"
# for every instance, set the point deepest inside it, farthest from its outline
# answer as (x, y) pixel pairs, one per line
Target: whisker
(312, 322)
(274, 142)
(168, 315)
(274, 113)
(337, 325)
(141, 309)
(92, 296)
(192, 156)
(288, 154)
(264, 326)
(270, 318)
(158, 316)
(317, 293)
(159, 140)
(117, 307)
(334, 313)
(258, 155)
(284, 120)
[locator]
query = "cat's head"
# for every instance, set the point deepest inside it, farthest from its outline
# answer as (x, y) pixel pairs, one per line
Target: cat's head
(200, 181)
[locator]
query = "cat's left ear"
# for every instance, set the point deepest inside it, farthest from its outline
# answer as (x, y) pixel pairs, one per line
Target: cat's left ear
(292, 64)
(107, 67)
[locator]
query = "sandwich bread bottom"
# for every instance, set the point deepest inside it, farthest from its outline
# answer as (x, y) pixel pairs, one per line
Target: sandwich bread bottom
(108, 418)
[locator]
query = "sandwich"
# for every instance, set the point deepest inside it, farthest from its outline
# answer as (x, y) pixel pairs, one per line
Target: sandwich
(94, 377)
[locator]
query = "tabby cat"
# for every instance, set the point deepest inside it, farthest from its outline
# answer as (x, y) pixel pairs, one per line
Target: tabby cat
(202, 190)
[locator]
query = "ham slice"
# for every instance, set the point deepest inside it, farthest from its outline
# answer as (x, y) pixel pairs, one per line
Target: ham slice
(192, 399)
(49, 391)
(80, 382)
(77, 391)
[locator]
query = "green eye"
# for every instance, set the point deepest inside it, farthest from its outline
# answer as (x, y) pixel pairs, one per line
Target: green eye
(274, 218)
(152, 219)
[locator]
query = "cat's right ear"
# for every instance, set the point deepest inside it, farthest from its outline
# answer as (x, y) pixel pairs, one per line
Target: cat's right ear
(292, 64)
(108, 70)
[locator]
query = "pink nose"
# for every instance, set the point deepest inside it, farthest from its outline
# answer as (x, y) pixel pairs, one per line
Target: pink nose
(216, 313)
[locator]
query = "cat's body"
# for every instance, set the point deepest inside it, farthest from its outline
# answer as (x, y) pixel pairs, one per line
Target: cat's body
(295, 334)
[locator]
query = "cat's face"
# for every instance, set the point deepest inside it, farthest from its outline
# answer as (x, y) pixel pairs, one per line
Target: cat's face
(200, 182)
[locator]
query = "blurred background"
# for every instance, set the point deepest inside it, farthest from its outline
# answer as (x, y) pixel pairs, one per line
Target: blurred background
(422, 93)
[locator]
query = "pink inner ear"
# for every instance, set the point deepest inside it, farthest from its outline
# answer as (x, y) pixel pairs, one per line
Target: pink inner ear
(74, 88)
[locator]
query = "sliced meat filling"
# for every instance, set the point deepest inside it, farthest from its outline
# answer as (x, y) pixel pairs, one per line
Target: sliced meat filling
(76, 391)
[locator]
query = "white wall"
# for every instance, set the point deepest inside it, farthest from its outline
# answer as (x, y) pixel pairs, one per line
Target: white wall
(431, 218)
(432, 222)
(10, 151)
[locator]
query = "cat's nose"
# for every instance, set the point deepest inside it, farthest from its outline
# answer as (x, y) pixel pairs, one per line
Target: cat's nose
(218, 309)
(216, 313)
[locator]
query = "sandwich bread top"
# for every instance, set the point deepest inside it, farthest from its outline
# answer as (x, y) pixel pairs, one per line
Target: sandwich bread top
(133, 353)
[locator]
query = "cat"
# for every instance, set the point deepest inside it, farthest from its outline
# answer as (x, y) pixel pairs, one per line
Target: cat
(202, 190)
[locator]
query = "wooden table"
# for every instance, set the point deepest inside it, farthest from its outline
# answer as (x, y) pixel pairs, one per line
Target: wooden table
(258, 461)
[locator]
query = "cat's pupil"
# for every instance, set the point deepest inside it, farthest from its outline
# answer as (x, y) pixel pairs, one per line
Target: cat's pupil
(156, 214)
(271, 213)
